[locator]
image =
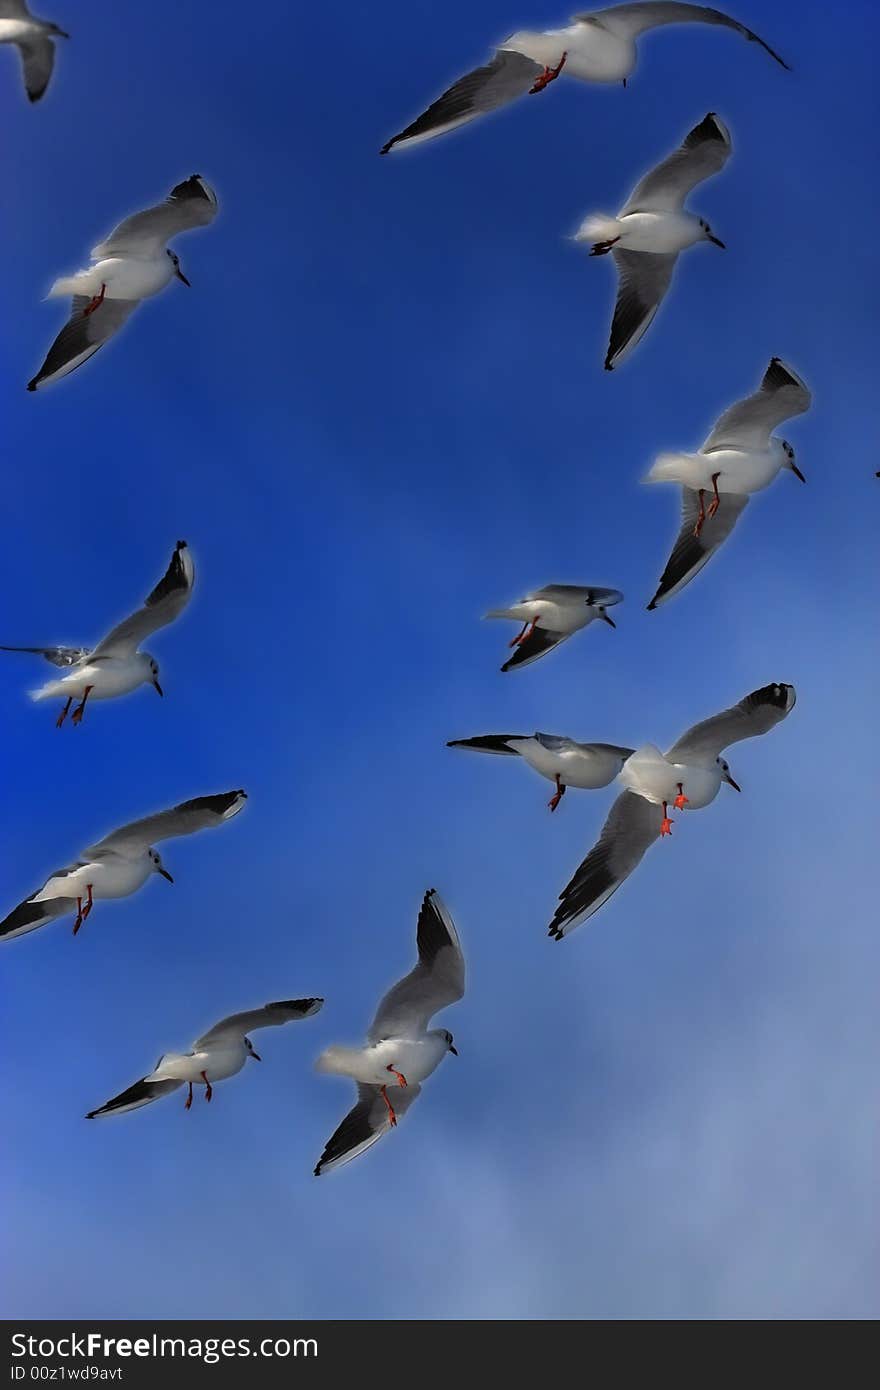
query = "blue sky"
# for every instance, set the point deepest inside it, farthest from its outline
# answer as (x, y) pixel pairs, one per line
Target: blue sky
(380, 411)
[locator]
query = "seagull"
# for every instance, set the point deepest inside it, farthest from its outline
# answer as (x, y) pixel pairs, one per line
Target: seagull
(216, 1055)
(116, 666)
(33, 39)
(595, 47)
(401, 1050)
(637, 817)
(131, 265)
(741, 456)
(551, 614)
(561, 760)
(648, 234)
(118, 865)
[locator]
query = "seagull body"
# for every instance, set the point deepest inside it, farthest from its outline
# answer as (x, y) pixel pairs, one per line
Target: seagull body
(115, 666)
(561, 760)
(693, 768)
(552, 614)
(33, 38)
(595, 47)
(118, 865)
(217, 1055)
(741, 456)
(133, 264)
(401, 1050)
(647, 236)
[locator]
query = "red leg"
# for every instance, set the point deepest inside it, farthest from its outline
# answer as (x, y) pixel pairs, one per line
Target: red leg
(702, 516)
(79, 916)
(681, 799)
(716, 500)
(602, 248)
(528, 629)
(391, 1115)
(189, 1099)
(548, 75)
(401, 1079)
(666, 827)
(63, 715)
(560, 793)
(89, 903)
(76, 717)
(95, 303)
(209, 1090)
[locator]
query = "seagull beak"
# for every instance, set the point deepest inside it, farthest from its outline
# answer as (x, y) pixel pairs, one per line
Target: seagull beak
(158, 689)
(715, 242)
(730, 782)
(453, 1050)
(256, 1056)
(610, 621)
(180, 275)
(165, 874)
(797, 472)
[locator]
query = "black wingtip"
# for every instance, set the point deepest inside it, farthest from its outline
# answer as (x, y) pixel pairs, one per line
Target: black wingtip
(32, 385)
(652, 605)
(317, 1171)
(181, 545)
(388, 146)
(609, 365)
(91, 1115)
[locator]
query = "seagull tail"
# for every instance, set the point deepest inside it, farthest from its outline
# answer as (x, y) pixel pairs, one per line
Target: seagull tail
(598, 227)
(81, 283)
(337, 1060)
(666, 468)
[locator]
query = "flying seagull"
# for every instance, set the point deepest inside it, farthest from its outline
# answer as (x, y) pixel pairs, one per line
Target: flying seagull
(216, 1055)
(401, 1051)
(595, 47)
(118, 865)
(637, 818)
(561, 760)
(33, 39)
(130, 266)
(116, 666)
(741, 456)
(648, 234)
(552, 614)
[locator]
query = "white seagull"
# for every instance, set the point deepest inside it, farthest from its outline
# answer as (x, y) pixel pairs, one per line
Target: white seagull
(561, 760)
(741, 456)
(401, 1050)
(690, 774)
(115, 666)
(649, 233)
(130, 266)
(33, 39)
(595, 47)
(118, 865)
(216, 1055)
(552, 614)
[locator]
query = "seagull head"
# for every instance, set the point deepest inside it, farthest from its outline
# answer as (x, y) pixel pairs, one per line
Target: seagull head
(448, 1036)
(175, 261)
(709, 235)
(158, 866)
(251, 1052)
(788, 460)
(724, 769)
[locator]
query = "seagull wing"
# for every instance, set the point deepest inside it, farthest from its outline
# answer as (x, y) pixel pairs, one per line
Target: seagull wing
(436, 981)
(757, 714)
(507, 76)
(81, 337)
(270, 1016)
(690, 553)
(632, 826)
(629, 21)
(58, 656)
(202, 813)
(363, 1125)
(37, 61)
(142, 1093)
(189, 204)
(749, 424)
(704, 152)
(166, 602)
(643, 280)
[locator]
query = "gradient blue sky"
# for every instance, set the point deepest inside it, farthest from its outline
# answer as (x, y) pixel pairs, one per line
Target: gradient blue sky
(380, 411)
